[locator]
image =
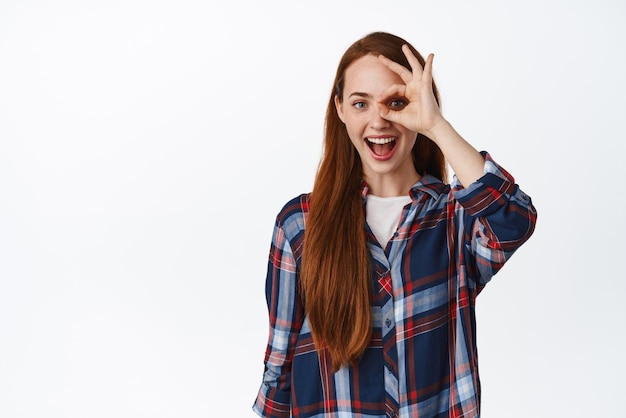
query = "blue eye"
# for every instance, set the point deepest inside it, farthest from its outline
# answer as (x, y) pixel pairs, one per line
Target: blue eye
(359, 105)
(397, 103)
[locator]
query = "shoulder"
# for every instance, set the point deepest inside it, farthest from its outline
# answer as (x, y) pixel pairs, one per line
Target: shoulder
(294, 212)
(290, 224)
(432, 190)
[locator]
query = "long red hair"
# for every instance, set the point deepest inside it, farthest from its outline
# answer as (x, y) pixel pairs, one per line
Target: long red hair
(336, 276)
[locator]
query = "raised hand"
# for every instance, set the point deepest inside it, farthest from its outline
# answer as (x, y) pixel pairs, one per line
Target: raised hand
(421, 114)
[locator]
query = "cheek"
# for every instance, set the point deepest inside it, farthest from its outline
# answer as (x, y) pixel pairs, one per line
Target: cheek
(349, 125)
(410, 135)
(354, 138)
(355, 123)
(355, 135)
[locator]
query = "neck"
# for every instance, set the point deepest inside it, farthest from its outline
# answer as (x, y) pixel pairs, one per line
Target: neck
(391, 184)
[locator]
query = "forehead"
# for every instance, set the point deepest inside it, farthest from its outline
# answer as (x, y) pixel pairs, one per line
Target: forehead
(368, 75)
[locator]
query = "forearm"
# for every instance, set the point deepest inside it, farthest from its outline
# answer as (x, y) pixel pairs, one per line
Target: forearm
(501, 217)
(465, 160)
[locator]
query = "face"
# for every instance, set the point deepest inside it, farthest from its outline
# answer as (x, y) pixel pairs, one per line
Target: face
(384, 147)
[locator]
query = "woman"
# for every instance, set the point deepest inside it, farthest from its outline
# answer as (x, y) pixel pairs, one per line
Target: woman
(373, 276)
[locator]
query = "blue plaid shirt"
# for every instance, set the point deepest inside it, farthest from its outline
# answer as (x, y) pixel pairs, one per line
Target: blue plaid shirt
(422, 357)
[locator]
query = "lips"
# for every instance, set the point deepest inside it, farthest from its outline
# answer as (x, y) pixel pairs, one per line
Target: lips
(381, 146)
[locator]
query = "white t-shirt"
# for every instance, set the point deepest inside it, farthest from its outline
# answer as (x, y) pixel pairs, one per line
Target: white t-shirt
(383, 215)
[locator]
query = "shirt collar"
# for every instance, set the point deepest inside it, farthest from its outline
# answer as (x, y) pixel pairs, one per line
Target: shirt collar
(428, 184)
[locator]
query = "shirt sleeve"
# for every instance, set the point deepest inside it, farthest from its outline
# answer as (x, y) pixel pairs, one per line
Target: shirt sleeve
(499, 218)
(285, 317)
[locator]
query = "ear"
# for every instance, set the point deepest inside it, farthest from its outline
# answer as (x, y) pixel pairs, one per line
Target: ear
(339, 108)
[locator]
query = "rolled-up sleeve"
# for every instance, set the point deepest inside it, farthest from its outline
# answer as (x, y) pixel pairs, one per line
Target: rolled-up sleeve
(498, 218)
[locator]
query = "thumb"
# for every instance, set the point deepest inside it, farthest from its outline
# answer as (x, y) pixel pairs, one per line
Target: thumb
(387, 113)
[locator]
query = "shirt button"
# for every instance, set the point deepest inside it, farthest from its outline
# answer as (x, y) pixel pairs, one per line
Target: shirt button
(388, 322)
(524, 197)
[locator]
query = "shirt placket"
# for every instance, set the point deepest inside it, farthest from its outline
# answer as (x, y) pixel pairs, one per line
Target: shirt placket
(385, 300)
(390, 352)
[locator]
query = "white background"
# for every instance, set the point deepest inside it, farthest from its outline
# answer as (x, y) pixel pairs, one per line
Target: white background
(146, 147)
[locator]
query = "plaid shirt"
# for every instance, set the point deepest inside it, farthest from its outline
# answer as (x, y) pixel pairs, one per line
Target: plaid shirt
(422, 358)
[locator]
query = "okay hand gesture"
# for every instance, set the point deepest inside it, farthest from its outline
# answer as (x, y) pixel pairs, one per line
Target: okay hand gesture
(421, 114)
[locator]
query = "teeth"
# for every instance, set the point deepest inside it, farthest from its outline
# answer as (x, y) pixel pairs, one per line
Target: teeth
(381, 141)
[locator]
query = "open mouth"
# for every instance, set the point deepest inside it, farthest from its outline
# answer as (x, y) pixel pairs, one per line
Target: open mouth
(381, 145)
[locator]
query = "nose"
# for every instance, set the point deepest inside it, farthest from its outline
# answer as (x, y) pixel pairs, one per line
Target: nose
(377, 121)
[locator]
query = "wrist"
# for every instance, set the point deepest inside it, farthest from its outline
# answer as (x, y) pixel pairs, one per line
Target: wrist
(439, 130)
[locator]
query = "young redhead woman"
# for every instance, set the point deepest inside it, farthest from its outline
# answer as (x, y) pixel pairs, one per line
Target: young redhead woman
(373, 276)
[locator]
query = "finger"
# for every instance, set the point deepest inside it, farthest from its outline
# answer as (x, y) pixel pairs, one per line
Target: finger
(387, 113)
(405, 74)
(428, 68)
(394, 92)
(413, 61)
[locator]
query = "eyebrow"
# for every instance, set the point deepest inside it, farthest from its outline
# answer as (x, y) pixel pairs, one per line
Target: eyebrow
(360, 94)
